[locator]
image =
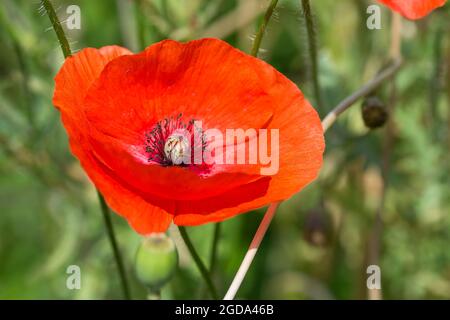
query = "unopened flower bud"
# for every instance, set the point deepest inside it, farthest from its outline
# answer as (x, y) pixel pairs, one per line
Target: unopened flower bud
(318, 227)
(156, 261)
(374, 112)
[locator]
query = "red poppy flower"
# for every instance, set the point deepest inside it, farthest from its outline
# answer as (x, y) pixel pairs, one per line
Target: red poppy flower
(123, 112)
(413, 9)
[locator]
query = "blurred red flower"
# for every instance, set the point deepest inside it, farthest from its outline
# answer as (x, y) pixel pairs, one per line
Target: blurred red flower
(413, 9)
(122, 111)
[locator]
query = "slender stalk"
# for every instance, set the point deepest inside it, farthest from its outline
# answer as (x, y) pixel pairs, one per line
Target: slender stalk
(104, 208)
(140, 22)
(384, 75)
(374, 249)
(112, 239)
(435, 90)
(327, 122)
(216, 236)
(262, 28)
(214, 245)
(23, 66)
(252, 250)
(265, 222)
(375, 236)
(65, 47)
(128, 24)
(239, 18)
(396, 36)
(198, 261)
(448, 95)
(25, 85)
(312, 48)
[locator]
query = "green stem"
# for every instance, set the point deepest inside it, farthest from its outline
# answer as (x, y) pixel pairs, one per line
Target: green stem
(25, 85)
(311, 33)
(435, 88)
(15, 38)
(201, 267)
(112, 239)
(104, 208)
(262, 28)
(216, 236)
(140, 22)
(65, 47)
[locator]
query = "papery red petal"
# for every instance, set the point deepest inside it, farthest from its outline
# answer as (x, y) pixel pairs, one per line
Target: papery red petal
(207, 80)
(71, 85)
(413, 9)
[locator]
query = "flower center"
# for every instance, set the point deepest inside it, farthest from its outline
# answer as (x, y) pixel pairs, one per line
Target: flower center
(172, 142)
(177, 148)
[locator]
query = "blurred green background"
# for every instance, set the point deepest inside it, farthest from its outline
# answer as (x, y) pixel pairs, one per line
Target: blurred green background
(321, 241)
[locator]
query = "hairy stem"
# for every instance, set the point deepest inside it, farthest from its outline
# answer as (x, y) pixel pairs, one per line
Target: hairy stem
(112, 239)
(312, 48)
(65, 47)
(198, 261)
(104, 208)
(262, 28)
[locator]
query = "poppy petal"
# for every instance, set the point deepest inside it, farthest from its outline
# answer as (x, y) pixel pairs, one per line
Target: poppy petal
(78, 73)
(71, 85)
(413, 9)
(203, 79)
(300, 157)
(206, 80)
(155, 74)
(135, 92)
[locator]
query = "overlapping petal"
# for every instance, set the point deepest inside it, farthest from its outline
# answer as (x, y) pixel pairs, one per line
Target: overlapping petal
(110, 98)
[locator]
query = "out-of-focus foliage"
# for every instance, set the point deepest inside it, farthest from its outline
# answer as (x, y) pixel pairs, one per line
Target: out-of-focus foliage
(317, 246)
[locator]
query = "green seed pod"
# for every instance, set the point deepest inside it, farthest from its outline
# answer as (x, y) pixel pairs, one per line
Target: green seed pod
(374, 112)
(156, 261)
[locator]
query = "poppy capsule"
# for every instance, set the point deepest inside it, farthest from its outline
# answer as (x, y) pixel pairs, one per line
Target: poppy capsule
(413, 9)
(374, 112)
(156, 261)
(142, 126)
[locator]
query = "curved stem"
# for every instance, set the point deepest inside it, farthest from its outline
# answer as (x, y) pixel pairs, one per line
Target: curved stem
(387, 73)
(248, 259)
(201, 267)
(25, 85)
(112, 239)
(312, 48)
(262, 28)
(214, 246)
(374, 248)
(104, 208)
(65, 47)
(327, 122)
(245, 264)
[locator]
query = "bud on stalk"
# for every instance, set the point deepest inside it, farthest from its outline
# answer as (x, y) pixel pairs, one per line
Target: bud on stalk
(374, 112)
(156, 261)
